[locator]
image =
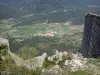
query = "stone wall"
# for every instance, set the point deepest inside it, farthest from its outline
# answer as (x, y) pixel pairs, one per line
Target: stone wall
(91, 36)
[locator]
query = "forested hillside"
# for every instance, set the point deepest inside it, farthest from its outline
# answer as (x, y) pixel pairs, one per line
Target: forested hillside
(51, 10)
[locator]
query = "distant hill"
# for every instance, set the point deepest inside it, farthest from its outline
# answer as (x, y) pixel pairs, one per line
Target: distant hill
(45, 10)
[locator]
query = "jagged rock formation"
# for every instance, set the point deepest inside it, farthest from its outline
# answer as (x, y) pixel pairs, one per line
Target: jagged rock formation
(62, 62)
(32, 63)
(36, 62)
(91, 36)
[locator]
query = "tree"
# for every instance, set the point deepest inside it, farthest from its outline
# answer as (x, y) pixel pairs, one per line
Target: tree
(27, 52)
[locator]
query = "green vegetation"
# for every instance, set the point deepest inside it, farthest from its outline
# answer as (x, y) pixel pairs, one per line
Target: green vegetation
(70, 40)
(27, 52)
(46, 16)
(68, 57)
(48, 63)
(79, 73)
(8, 66)
(94, 61)
(3, 50)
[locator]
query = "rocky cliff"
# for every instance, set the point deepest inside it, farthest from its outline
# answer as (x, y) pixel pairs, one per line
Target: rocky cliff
(91, 36)
(57, 64)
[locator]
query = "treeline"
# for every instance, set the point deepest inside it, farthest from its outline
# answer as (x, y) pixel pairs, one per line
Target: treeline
(38, 45)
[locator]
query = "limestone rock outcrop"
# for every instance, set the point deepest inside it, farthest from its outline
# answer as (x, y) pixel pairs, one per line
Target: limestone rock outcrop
(36, 62)
(4, 41)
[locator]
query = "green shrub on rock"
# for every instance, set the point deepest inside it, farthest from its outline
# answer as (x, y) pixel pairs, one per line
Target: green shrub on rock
(3, 50)
(48, 63)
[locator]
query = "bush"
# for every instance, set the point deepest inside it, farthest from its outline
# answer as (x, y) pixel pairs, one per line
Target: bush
(3, 50)
(27, 52)
(48, 63)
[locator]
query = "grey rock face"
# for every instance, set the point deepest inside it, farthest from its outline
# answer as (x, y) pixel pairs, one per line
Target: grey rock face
(94, 50)
(87, 35)
(36, 62)
(91, 36)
